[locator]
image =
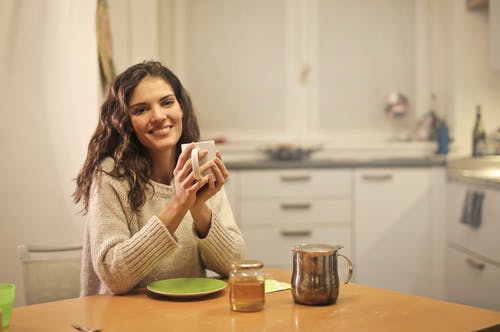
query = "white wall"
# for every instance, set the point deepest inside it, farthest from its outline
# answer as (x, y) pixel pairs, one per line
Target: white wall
(460, 69)
(474, 82)
(451, 60)
(49, 86)
(136, 27)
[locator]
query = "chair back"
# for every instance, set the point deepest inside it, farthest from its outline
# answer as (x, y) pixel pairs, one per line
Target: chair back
(50, 273)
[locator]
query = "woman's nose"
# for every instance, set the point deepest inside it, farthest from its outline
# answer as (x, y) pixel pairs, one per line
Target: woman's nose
(157, 114)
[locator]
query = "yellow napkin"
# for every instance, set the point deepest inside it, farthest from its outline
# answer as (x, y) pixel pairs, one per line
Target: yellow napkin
(275, 285)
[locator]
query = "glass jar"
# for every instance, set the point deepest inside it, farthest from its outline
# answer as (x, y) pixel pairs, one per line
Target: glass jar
(246, 285)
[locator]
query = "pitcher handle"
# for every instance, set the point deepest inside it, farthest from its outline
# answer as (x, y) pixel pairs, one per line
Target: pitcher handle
(349, 276)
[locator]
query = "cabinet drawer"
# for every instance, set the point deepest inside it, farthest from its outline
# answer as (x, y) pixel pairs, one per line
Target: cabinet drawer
(293, 211)
(482, 240)
(471, 281)
(273, 245)
(293, 183)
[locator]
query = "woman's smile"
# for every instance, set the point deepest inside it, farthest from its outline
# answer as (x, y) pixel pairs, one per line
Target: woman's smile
(164, 131)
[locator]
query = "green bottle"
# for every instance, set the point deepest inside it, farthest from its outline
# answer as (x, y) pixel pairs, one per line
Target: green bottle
(478, 135)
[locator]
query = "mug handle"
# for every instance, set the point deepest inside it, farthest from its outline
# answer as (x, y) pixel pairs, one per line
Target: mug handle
(349, 276)
(195, 163)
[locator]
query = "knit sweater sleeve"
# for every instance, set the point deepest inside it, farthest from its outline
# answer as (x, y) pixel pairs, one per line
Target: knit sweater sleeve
(224, 242)
(121, 259)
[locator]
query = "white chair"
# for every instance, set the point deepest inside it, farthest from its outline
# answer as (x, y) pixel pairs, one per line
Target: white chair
(50, 273)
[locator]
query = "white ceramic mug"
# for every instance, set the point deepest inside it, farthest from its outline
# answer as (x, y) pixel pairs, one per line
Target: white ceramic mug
(196, 161)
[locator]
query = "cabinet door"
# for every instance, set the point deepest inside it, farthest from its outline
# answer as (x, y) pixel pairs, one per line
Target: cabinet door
(296, 183)
(483, 240)
(471, 280)
(235, 65)
(358, 41)
(392, 229)
(295, 211)
(283, 208)
(291, 69)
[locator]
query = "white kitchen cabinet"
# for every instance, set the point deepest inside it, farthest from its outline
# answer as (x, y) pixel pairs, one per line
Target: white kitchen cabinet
(289, 70)
(472, 272)
(485, 239)
(235, 65)
(472, 280)
(393, 234)
(349, 50)
(279, 209)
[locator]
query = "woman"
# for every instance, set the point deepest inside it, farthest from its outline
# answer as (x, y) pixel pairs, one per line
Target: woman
(147, 216)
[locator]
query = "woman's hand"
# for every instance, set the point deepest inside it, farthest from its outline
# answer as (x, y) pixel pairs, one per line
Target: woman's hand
(201, 213)
(186, 188)
(185, 184)
(191, 194)
(215, 180)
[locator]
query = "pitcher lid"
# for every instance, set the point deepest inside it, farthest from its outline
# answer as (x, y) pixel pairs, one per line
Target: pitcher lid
(316, 248)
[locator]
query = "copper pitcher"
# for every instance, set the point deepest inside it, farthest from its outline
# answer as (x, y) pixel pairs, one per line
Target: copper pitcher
(315, 279)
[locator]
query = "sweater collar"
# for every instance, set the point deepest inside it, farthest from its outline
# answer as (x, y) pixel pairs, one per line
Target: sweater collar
(161, 189)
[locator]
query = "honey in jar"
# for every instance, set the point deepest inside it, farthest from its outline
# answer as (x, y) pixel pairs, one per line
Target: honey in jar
(246, 285)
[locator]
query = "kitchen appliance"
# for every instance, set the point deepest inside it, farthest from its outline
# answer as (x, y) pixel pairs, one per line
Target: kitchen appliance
(290, 152)
(472, 269)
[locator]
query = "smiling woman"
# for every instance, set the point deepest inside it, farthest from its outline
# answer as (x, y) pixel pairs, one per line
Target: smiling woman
(148, 217)
(156, 117)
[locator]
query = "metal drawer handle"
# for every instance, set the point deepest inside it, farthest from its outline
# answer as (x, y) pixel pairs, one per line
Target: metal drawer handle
(296, 233)
(294, 178)
(475, 264)
(377, 177)
(295, 206)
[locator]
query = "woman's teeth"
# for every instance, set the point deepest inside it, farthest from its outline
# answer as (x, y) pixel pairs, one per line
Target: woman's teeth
(161, 131)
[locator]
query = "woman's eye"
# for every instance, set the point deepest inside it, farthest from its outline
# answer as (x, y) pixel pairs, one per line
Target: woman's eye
(167, 102)
(137, 111)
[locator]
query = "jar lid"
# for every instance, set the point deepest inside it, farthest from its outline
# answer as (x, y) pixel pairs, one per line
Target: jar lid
(247, 264)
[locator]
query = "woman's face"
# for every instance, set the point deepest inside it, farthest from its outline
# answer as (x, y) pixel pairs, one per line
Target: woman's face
(156, 115)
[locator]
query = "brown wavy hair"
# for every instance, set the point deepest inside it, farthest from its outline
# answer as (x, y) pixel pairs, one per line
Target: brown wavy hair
(114, 136)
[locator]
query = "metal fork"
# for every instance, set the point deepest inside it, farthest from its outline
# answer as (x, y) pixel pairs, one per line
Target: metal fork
(84, 328)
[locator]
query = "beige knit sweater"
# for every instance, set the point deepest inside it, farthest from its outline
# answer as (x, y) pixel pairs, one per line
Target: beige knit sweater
(123, 250)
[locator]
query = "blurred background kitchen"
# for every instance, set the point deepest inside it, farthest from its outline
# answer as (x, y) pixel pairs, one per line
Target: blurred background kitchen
(376, 100)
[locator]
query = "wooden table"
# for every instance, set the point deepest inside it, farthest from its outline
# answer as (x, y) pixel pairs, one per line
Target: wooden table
(359, 308)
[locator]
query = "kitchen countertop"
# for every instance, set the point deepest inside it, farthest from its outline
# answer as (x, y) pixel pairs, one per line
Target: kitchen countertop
(359, 308)
(337, 163)
(480, 171)
(483, 171)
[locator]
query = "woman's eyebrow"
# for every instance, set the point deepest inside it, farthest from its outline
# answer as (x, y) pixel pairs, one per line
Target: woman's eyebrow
(138, 104)
(168, 96)
(144, 103)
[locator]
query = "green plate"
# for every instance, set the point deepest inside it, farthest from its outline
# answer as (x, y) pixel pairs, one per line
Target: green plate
(186, 287)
